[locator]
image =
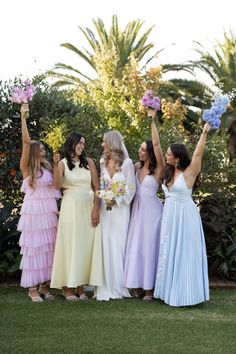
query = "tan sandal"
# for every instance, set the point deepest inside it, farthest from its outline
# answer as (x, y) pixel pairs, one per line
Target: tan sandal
(46, 294)
(36, 297)
(71, 298)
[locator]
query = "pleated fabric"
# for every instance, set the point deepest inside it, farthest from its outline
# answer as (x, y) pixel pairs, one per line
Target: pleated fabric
(38, 223)
(182, 275)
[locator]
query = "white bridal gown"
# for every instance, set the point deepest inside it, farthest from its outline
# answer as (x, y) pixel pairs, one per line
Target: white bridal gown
(114, 224)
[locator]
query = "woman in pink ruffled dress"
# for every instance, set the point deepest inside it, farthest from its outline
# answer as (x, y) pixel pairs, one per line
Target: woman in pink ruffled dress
(38, 219)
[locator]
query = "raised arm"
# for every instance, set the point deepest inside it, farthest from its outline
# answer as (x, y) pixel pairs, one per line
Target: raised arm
(25, 140)
(157, 145)
(95, 186)
(195, 165)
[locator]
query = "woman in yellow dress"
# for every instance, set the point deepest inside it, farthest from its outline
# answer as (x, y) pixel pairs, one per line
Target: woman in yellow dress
(78, 251)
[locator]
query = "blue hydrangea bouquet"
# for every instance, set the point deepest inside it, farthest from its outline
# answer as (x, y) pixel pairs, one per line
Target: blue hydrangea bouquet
(218, 108)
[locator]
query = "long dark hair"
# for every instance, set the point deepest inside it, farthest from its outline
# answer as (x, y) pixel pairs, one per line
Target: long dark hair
(69, 151)
(181, 152)
(152, 158)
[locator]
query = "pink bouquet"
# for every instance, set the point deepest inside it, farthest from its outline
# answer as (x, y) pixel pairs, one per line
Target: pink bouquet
(151, 102)
(22, 94)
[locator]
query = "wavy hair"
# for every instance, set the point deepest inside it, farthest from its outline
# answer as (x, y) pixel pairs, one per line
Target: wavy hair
(115, 143)
(35, 165)
(69, 151)
(181, 152)
(152, 158)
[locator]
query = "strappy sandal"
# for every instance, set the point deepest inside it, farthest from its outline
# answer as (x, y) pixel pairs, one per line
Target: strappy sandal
(36, 297)
(71, 298)
(47, 295)
(83, 297)
(148, 298)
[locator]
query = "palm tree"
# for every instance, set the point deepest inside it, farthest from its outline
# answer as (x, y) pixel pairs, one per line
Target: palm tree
(126, 43)
(221, 65)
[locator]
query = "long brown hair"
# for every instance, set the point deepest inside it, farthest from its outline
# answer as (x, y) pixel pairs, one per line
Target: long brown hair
(35, 165)
(181, 152)
(152, 158)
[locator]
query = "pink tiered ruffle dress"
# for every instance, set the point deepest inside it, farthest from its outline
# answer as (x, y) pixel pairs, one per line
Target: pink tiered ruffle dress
(38, 223)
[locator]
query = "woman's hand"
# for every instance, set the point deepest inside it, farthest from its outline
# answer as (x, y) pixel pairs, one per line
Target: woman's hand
(151, 113)
(24, 110)
(56, 159)
(110, 203)
(95, 217)
(206, 128)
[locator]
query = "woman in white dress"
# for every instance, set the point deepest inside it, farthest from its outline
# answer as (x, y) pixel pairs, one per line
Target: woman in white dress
(115, 166)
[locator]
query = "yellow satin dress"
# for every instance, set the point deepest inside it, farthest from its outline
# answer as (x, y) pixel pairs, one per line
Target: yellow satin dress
(78, 250)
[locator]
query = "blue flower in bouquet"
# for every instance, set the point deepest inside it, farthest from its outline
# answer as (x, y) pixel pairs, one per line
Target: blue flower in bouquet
(218, 108)
(150, 101)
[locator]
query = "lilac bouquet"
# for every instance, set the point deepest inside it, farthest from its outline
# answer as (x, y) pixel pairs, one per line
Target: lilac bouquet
(218, 108)
(22, 94)
(150, 102)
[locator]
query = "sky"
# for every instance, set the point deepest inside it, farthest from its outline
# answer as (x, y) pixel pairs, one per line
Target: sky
(31, 31)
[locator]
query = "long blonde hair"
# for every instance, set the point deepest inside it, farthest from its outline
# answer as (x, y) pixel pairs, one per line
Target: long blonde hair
(114, 141)
(35, 165)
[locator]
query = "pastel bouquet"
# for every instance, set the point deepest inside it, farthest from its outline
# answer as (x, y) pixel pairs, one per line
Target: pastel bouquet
(218, 108)
(55, 138)
(150, 101)
(111, 190)
(22, 94)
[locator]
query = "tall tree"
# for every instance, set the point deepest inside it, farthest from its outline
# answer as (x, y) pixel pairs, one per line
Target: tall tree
(126, 43)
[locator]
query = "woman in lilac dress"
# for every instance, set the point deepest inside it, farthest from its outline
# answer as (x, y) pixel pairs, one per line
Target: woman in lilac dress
(144, 229)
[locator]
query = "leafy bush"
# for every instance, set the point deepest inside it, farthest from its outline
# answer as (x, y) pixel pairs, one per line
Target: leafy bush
(9, 237)
(218, 215)
(215, 196)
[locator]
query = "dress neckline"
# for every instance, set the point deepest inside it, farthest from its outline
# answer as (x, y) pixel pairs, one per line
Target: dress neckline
(171, 187)
(109, 173)
(143, 178)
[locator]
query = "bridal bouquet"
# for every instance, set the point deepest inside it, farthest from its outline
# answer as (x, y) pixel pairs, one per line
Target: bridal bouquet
(111, 190)
(218, 108)
(150, 101)
(22, 94)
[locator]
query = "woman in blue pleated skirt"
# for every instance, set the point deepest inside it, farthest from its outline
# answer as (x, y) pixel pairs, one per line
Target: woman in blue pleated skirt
(182, 276)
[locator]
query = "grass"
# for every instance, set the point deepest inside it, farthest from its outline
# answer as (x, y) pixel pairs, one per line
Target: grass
(121, 326)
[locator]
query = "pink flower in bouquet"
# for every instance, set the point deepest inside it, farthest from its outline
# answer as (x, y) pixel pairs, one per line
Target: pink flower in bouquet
(22, 94)
(150, 101)
(111, 190)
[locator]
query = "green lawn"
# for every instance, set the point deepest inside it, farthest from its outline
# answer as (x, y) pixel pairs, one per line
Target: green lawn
(127, 326)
